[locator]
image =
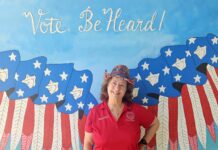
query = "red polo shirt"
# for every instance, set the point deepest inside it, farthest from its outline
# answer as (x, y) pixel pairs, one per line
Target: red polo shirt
(123, 134)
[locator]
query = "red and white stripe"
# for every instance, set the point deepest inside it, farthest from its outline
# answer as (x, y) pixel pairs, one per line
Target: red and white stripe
(17, 122)
(38, 132)
(182, 127)
(189, 117)
(48, 126)
(3, 112)
(7, 129)
(28, 126)
(173, 123)
(198, 114)
(162, 135)
(66, 133)
(57, 136)
(74, 131)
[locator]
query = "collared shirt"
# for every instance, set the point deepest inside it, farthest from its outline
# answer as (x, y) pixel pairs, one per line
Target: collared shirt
(123, 134)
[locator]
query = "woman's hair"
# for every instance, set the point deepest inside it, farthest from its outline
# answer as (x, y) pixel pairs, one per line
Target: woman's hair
(127, 98)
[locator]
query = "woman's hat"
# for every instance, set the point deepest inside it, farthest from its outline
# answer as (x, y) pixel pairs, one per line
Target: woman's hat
(120, 70)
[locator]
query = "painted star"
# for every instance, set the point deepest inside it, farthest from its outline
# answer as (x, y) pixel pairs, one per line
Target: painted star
(192, 40)
(90, 105)
(201, 51)
(138, 77)
(214, 59)
(197, 78)
(80, 105)
(52, 87)
(84, 78)
(166, 70)
(12, 57)
(153, 78)
(3, 74)
(180, 64)
(20, 93)
(177, 77)
(145, 66)
(63, 76)
(77, 92)
(144, 100)
(60, 97)
(188, 53)
(37, 64)
(47, 72)
(16, 76)
(168, 52)
(44, 98)
(215, 40)
(162, 89)
(68, 107)
(30, 81)
(135, 92)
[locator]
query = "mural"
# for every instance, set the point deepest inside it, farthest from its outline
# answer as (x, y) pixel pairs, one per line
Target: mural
(53, 56)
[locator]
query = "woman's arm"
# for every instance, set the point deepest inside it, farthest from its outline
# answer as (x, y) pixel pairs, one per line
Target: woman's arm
(88, 141)
(150, 132)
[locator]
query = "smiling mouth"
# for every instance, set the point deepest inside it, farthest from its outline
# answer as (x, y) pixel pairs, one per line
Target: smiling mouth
(115, 93)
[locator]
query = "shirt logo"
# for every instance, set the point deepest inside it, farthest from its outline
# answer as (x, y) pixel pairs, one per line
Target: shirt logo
(104, 117)
(130, 116)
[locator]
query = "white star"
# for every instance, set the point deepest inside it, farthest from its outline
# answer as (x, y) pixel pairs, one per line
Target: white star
(60, 97)
(63, 76)
(44, 98)
(90, 105)
(166, 70)
(180, 64)
(153, 78)
(138, 77)
(12, 57)
(68, 107)
(214, 59)
(84, 78)
(135, 92)
(37, 64)
(77, 92)
(20, 93)
(52, 87)
(144, 100)
(168, 52)
(201, 51)
(197, 78)
(30, 81)
(162, 89)
(145, 66)
(3, 74)
(47, 72)
(80, 105)
(187, 53)
(215, 40)
(192, 40)
(16, 76)
(177, 77)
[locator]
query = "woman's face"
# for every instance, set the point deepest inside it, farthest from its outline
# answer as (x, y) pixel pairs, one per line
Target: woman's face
(117, 87)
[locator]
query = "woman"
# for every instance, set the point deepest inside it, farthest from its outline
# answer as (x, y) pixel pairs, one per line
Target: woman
(115, 123)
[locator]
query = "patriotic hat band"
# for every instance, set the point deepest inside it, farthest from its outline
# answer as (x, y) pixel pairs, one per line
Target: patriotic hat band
(120, 70)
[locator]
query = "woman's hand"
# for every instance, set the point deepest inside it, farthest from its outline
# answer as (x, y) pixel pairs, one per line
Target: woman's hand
(141, 146)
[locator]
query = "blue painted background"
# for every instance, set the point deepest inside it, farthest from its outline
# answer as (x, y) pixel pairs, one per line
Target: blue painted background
(102, 50)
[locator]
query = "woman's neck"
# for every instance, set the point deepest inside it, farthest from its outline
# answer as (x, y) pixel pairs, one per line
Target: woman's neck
(114, 103)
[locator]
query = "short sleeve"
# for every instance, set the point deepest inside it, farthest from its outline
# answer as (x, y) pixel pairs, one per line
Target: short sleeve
(89, 122)
(145, 117)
